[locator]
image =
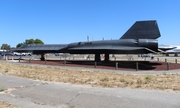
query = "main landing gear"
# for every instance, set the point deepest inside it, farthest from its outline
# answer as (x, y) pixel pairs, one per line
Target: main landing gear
(42, 57)
(98, 58)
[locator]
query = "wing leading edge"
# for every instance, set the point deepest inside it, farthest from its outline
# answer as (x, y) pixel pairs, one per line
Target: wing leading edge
(48, 48)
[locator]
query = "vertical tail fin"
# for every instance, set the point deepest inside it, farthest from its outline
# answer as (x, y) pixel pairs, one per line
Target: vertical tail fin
(143, 30)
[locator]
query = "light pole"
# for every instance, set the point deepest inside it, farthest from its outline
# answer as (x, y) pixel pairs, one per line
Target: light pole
(3, 52)
(87, 38)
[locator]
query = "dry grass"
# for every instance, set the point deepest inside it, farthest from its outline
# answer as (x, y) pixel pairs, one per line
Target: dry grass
(7, 105)
(102, 79)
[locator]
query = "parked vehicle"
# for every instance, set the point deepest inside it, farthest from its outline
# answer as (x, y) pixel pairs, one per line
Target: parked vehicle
(1, 53)
(28, 54)
(21, 54)
(9, 53)
(17, 54)
(6, 53)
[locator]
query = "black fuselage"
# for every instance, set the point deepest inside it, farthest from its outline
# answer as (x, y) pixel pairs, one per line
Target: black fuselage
(122, 46)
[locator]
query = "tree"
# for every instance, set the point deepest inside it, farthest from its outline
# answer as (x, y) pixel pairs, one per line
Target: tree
(38, 41)
(30, 41)
(19, 44)
(5, 47)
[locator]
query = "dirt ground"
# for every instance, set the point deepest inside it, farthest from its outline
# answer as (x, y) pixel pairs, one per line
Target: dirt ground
(7, 105)
(167, 82)
(100, 79)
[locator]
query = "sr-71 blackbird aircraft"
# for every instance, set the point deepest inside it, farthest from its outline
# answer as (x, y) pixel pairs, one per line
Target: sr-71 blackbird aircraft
(139, 39)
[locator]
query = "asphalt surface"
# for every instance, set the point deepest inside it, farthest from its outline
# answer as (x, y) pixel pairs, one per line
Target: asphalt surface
(39, 94)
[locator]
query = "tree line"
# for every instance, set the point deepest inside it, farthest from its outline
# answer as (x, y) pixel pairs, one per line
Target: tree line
(27, 41)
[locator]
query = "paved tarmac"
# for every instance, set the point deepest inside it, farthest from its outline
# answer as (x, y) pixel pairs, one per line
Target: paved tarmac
(39, 94)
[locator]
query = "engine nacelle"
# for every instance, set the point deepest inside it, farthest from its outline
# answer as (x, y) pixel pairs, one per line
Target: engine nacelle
(149, 43)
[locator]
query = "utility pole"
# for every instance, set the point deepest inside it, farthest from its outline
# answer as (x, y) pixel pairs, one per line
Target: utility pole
(87, 38)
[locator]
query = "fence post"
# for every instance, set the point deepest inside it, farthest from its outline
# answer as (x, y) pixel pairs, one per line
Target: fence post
(165, 60)
(137, 67)
(19, 59)
(64, 62)
(158, 59)
(116, 65)
(45, 61)
(95, 64)
(176, 61)
(168, 67)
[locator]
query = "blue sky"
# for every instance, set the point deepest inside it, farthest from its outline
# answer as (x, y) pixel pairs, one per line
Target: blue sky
(66, 21)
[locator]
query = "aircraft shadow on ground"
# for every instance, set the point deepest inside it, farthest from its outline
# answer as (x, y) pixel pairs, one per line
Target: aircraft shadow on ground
(124, 65)
(142, 65)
